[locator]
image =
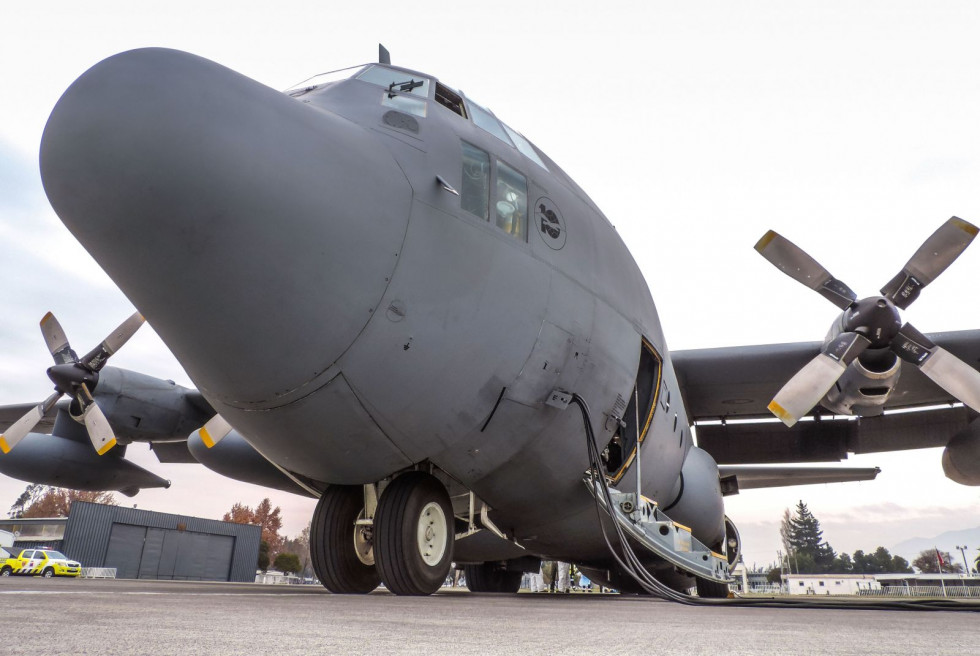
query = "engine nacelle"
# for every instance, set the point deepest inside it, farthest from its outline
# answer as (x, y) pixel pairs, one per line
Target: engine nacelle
(144, 408)
(235, 458)
(866, 385)
(64, 462)
(961, 459)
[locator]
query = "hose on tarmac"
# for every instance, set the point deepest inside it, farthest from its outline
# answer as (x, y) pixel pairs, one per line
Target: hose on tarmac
(627, 559)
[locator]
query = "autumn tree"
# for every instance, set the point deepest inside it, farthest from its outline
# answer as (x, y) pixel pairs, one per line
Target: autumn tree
(41, 501)
(30, 495)
(265, 516)
(927, 563)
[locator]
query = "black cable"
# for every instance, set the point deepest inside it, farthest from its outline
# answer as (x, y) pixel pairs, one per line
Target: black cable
(647, 582)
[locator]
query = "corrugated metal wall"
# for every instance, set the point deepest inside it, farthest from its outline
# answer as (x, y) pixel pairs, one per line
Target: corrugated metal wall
(90, 527)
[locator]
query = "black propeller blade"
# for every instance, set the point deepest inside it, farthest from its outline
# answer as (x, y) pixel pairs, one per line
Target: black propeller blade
(791, 260)
(76, 377)
(933, 257)
(873, 322)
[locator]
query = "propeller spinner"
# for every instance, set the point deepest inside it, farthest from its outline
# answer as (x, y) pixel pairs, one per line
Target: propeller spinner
(873, 322)
(77, 377)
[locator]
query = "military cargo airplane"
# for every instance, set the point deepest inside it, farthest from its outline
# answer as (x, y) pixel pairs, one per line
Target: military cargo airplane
(392, 301)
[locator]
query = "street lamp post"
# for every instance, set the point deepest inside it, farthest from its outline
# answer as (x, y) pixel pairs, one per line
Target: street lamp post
(963, 553)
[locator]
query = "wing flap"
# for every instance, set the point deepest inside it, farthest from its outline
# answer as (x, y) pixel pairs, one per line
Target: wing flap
(754, 477)
(830, 440)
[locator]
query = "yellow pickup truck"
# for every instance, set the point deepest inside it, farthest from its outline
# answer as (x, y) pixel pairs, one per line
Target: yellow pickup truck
(40, 562)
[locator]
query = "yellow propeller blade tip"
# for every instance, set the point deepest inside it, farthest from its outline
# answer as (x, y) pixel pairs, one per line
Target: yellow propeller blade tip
(206, 437)
(782, 413)
(105, 447)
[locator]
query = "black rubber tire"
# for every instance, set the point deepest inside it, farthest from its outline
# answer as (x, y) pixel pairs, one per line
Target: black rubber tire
(47, 573)
(6, 571)
(396, 549)
(486, 577)
(711, 589)
(335, 560)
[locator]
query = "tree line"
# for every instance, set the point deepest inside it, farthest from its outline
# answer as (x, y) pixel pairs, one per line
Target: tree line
(806, 552)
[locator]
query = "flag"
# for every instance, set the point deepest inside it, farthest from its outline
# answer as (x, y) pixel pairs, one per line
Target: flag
(939, 557)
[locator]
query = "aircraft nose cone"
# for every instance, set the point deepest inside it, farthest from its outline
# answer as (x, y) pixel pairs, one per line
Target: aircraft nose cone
(255, 232)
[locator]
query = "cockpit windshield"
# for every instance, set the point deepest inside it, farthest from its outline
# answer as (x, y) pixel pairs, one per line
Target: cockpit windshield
(323, 78)
(396, 81)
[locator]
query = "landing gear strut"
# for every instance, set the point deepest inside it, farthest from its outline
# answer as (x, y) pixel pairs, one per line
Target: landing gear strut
(341, 550)
(413, 534)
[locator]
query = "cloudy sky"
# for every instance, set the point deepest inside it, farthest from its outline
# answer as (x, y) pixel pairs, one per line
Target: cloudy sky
(851, 128)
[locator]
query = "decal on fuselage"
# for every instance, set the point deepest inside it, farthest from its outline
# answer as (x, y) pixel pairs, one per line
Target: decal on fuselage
(551, 225)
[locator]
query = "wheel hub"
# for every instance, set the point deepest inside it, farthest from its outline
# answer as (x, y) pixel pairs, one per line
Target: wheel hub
(433, 536)
(364, 541)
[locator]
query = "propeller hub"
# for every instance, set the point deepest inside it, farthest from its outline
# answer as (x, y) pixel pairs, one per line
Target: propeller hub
(68, 377)
(876, 318)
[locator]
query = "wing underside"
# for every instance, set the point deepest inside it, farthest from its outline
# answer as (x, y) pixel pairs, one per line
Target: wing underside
(727, 391)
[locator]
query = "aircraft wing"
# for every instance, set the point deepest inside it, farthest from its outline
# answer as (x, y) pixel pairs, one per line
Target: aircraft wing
(11, 413)
(737, 383)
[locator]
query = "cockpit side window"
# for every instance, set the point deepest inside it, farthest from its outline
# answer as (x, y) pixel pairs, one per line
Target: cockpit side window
(450, 100)
(511, 201)
(474, 196)
(524, 146)
(486, 120)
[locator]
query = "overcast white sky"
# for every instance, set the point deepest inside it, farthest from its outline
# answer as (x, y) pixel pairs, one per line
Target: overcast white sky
(851, 128)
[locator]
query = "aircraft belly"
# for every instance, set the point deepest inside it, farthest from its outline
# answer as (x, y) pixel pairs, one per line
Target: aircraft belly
(256, 233)
(327, 436)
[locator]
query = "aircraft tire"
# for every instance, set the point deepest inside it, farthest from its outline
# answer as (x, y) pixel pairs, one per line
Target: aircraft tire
(711, 589)
(413, 538)
(487, 578)
(334, 544)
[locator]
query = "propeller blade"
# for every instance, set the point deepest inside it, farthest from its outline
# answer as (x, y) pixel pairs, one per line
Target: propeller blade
(23, 426)
(214, 431)
(942, 367)
(811, 383)
(57, 342)
(795, 263)
(933, 257)
(97, 357)
(99, 430)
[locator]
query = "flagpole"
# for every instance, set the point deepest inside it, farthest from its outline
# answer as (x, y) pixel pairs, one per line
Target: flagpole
(939, 561)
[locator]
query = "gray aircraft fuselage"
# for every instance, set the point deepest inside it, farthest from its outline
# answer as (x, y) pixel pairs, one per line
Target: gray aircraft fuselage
(361, 278)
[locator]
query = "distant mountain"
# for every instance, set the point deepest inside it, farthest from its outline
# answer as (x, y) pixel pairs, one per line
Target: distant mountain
(910, 549)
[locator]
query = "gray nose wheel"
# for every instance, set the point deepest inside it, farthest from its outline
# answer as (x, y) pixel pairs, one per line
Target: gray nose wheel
(342, 551)
(414, 535)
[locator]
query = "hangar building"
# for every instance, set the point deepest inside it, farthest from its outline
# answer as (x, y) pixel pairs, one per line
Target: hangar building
(141, 544)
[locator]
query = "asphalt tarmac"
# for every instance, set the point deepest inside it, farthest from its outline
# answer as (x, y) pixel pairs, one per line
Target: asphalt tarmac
(39, 616)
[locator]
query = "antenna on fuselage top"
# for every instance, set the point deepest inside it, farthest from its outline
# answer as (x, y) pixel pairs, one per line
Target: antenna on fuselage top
(384, 57)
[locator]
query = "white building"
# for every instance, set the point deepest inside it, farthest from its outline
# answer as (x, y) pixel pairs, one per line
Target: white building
(830, 584)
